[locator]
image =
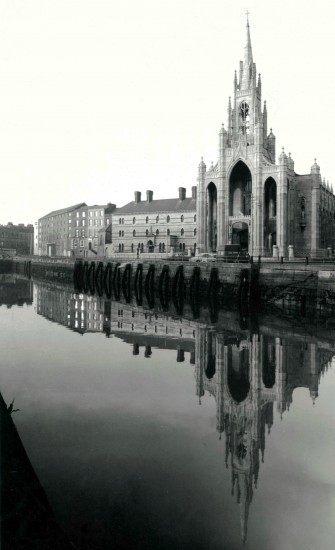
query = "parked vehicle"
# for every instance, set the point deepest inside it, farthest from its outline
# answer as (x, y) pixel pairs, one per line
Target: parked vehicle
(204, 257)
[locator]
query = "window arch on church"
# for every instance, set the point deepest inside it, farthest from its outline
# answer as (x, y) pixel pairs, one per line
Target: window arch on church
(211, 225)
(302, 208)
(244, 118)
(270, 215)
(240, 189)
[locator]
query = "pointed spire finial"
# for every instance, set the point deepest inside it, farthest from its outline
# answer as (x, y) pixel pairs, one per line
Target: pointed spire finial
(247, 14)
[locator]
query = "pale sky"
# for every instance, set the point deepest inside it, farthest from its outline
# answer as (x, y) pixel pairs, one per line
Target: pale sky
(103, 98)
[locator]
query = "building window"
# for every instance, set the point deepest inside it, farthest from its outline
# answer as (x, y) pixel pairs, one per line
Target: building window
(77, 232)
(160, 247)
(81, 243)
(119, 233)
(77, 223)
(122, 247)
(181, 218)
(107, 221)
(157, 219)
(120, 221)
(147, 232)
(134, 233)
(142, 247)
(83, 223)
(195, 232)
(91, 214)
(101, 212)
(101, 221)
(157, 232)
(134, 220)
(163, 247)
(168, 219)
(147, 219)
(90, 222)
(122, 233)
(83, 232)
(182, 231)
(132, 247)
(77, 214)
(83, 214)
(96, 213)
(119, 247)
(168, 232)
(195, 217)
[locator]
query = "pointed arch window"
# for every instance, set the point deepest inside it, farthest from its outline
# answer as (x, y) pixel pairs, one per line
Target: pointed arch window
(244, 118)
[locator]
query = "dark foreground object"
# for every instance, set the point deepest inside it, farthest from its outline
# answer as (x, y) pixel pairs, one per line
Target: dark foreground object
(27, 521)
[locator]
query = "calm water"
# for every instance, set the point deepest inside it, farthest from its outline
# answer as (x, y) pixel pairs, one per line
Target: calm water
(147, 430)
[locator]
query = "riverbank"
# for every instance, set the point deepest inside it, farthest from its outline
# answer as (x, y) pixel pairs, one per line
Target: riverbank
(266, 281)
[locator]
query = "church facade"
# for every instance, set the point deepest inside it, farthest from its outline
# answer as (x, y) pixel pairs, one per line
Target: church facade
(248, 198)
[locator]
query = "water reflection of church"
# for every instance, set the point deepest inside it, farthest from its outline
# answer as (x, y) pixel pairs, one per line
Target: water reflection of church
(249, 373)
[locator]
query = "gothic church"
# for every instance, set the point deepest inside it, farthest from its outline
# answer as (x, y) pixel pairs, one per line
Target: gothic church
(249, 199)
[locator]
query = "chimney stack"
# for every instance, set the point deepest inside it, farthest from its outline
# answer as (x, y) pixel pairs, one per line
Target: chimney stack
(137, 196)
(194, 192)
(182, 193)
(150, 195)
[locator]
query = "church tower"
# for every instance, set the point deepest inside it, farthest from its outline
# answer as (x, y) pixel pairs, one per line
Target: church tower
(245, 197)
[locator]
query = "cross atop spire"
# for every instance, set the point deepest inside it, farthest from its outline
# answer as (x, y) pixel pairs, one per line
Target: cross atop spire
(247, 13)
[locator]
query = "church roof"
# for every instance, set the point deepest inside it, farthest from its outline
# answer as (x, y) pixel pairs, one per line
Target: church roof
(161, 205)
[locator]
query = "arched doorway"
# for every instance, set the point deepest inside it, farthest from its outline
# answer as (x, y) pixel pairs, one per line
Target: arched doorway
(240, 189)
(150, 246)
(211, 217)
(270, 215)
(240, 235)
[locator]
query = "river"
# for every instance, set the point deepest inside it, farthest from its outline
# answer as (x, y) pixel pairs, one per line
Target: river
(152, 430)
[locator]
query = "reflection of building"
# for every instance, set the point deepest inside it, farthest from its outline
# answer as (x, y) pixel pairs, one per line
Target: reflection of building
(247, 376)
(17, 237)
(15, 290)
(248, 199)
(78, 312)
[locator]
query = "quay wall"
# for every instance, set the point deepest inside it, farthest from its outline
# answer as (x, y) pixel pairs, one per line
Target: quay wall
(275, 284)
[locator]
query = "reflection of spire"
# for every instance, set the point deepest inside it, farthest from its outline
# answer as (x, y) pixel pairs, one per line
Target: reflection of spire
(244, 508)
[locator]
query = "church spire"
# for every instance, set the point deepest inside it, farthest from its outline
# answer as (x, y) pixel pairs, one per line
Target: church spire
(248, 62)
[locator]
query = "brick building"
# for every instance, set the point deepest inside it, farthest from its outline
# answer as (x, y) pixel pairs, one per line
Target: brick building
(73, 231)
(155, 225)
(19, 238)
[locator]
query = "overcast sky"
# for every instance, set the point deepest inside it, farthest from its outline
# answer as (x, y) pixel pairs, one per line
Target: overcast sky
(102, 98)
